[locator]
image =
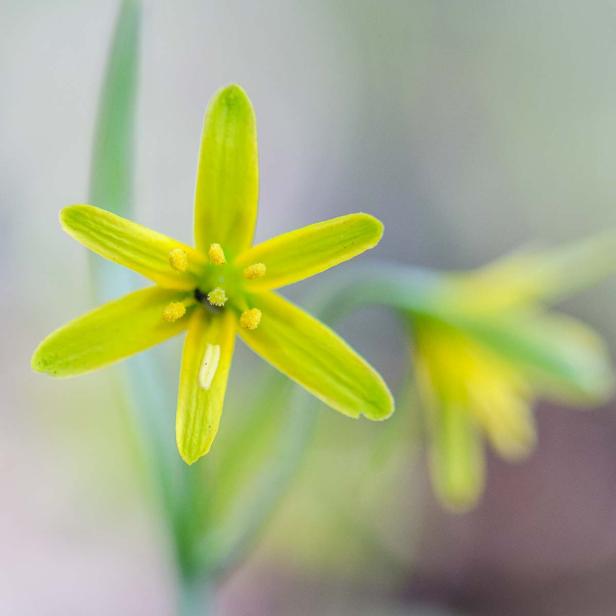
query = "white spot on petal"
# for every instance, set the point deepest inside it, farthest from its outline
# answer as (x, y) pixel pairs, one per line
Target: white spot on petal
(211, 357)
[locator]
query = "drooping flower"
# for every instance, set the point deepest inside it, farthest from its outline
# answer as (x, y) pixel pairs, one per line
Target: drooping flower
(221, 287)
(485, 348)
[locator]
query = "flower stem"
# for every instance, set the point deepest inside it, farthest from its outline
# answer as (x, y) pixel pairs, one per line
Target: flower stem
(196, 597)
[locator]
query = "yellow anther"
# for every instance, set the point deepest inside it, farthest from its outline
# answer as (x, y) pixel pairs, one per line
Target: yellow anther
(174, 311)
(178, 259)
(217, 297)
(250, 319)
(256, 270)
(216, 254)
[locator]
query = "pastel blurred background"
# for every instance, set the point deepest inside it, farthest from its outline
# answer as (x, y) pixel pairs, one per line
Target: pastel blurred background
(469, 128)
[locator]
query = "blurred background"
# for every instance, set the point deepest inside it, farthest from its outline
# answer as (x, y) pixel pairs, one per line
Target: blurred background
(469, 128)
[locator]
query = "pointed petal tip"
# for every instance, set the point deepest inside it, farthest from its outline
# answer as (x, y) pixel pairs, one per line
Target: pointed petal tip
(38, 362)
(232, 93)
(383, 410)
(459, 504)
(64, 215)
(190, 455)
(234, 98)
(377, 225)
(43, 360)
(67, 214)
(189, 460)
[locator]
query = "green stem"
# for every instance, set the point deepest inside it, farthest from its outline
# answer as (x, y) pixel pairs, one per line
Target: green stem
(196, 597)
(396, 286)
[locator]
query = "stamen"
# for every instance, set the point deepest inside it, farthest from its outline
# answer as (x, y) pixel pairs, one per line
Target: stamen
(209, 366)
(174, 311)
(216, 254)
(250, 319)
(217, 297)
(178, 259)
(256, 270)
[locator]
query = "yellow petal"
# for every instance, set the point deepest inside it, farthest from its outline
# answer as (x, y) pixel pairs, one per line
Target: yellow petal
(455, 449)
(442, 369)
(152, 254)
(512, 431)
(493, 392)
(305, 252)
(311, 354)
(456, 458)
(109, 333)
(228, 176)
(206, 360)
(503, 412)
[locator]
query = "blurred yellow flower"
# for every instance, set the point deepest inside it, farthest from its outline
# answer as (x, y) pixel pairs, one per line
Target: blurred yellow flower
(487, 348)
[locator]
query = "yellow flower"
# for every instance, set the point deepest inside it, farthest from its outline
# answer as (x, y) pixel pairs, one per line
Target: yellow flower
(485, 348)
(221, 286)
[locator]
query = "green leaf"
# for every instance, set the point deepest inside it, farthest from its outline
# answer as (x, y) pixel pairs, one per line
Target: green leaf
(305, 252)
(113, 154)
(228, 175)
(146, 379)
(311, 354)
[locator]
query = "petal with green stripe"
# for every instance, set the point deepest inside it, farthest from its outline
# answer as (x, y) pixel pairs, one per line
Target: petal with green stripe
(228, 175)
(319, 360)
(114, 331)
(208, 350)
(305, 252)
(132, 245)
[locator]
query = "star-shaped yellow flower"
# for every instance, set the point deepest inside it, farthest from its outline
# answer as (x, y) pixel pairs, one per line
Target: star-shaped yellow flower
(221, 287)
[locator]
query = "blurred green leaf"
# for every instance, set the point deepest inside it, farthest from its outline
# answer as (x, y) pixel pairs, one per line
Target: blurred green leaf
(113, 160)
(111, 188)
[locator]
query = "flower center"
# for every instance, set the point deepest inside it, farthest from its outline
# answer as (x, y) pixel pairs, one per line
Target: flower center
(221, 288)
